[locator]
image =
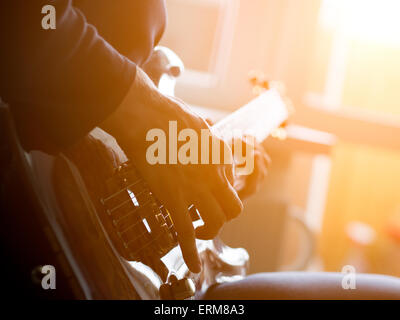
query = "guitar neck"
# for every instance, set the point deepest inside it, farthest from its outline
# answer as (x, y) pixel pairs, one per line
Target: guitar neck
(258, 118)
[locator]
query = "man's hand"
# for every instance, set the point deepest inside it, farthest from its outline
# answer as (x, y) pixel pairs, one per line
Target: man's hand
(246, 185)
(177, 186)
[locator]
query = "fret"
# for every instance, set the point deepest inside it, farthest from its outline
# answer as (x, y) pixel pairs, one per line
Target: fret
(104, 200)
(110, 211)
(119, 206)
(144, 235)
(129, 213)
(145, 246)
(150, 236)
(148, 243)
(141, 235)
(258, 118)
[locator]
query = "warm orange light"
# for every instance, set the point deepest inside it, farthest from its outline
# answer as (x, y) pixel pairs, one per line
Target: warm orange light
(369, 20)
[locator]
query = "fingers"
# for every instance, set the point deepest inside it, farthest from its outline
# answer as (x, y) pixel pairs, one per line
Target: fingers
(247, 185)
(228, 199)
(230, 174)
(186, 236)
(267, 159)
(212, 215)
(261, 165)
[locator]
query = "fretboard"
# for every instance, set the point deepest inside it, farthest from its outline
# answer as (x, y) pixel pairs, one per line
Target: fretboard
(257, 118)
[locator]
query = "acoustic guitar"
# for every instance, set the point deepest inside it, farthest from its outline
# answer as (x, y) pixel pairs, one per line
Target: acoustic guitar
(110, 236)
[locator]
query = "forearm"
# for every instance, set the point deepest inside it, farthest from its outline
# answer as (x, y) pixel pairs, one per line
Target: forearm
(133, 27)
(144, 108)
(66, 80)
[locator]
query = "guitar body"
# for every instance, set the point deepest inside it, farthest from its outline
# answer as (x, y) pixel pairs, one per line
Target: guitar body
(70, 192)
(86, 175)
(109, 236)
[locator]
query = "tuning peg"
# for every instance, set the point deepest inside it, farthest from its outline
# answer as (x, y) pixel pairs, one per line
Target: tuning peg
(259, 81)
(260, 84)
(279, 133)
(255, 76)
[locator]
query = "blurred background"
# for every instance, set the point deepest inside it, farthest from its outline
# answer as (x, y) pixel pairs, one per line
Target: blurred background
(333, 193)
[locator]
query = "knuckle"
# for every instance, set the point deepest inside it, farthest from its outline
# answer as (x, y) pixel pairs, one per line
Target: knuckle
(233, 214)
(237, 206)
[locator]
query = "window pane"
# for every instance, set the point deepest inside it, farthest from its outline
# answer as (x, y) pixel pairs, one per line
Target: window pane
(357, 55)
(191, 31)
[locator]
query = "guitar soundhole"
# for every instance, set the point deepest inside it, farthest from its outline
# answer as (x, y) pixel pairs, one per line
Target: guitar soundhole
(143, 226)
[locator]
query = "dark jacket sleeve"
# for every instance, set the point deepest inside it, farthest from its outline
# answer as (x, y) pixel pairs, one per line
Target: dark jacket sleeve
(65, 81)
(133, 27)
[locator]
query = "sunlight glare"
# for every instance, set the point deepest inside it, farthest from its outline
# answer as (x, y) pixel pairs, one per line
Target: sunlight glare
(367, 20)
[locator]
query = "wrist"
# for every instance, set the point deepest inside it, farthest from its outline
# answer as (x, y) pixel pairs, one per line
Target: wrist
(141, 102)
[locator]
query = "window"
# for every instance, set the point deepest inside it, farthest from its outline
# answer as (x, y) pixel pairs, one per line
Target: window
(357, 62)
(201, 33)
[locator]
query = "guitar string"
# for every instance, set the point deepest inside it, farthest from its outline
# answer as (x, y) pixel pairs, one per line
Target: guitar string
(125, 202)
(222, 129)
(137, 209)
(152, 240)
(145, 191)
(143, 234)
(121, 190)
(120, 205)
(149, 243)
(136, 222)
(149, 200)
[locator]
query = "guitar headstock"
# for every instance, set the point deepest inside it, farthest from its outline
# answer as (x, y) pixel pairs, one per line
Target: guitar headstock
(163, 67)
(260, 83)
